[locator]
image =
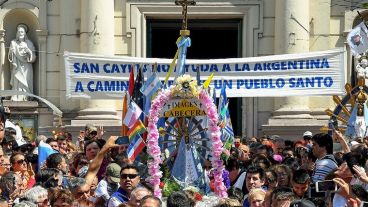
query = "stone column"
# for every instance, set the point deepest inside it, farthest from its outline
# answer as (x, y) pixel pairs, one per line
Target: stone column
(320, 40)
(97, 37)
(291, 36)
(42, 65)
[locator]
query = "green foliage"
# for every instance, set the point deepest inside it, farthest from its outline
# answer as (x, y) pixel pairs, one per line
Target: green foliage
(170, 187)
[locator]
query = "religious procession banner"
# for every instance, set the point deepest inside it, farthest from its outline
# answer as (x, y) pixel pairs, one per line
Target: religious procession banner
(315, 73)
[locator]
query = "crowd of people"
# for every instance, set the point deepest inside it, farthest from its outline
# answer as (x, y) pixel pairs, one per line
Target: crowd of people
(260, 172)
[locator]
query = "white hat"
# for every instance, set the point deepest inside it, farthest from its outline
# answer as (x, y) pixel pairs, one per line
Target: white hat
(354, 143)
(307, 134)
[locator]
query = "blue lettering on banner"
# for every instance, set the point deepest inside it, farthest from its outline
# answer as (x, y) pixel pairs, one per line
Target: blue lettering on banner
(291, 65)
(280, 83)
(96, 86)
(226, 67)
(260, 83)
(311, 82)
(89, 86)
(91, 68)
(78, 87)
(213, 68)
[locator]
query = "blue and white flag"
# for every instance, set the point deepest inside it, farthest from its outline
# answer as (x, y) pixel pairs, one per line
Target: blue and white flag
(224, 117)
(44, 151)
(151, 86)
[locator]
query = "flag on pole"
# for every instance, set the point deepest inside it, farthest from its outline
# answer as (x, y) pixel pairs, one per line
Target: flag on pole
(135, 147)
(198, 76)
(132, 115)
(357, 39)
(208, 81)
(124, 128)
(224, 119)
(131, 81)
(137, 96)
(214, 95)
(151, 86)
(137, 128)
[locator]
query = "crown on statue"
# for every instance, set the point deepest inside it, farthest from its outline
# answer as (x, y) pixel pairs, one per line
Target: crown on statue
(185, 87)
(361, 97)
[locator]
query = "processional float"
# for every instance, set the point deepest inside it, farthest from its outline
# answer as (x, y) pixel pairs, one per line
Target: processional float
(191, 131)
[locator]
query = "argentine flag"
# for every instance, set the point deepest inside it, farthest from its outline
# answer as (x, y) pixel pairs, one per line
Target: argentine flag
(151, 86)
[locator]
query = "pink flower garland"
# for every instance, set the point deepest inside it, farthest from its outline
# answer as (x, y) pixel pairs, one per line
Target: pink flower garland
(153, 148)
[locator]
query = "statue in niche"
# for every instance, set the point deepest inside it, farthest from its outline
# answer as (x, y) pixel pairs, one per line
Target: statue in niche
(21, 56)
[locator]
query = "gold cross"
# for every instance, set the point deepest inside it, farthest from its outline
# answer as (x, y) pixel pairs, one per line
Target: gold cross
(184, 4)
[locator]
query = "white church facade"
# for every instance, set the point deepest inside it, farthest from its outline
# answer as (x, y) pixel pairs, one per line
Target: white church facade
(249, 28)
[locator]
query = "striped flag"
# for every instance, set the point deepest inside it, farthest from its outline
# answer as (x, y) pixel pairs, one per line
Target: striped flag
(151, 86)
(137, 95)
(132, 115)
(135, 147)
(137, 128)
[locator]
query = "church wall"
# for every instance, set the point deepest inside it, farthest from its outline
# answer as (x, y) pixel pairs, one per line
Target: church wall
(69, 24)
(63, 25)
(266, 47)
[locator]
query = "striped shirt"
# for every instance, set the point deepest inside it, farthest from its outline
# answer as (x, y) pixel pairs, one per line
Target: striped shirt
(323, 167)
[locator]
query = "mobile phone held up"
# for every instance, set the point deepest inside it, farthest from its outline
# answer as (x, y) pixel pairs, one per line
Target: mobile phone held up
(122, 140)
(327, 185)
(363, 204)
(333, 124)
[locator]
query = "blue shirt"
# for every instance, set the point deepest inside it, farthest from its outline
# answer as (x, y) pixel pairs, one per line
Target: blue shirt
(117, 198)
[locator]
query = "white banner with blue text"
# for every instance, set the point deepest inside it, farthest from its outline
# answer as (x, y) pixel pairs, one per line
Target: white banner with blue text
(315, 73)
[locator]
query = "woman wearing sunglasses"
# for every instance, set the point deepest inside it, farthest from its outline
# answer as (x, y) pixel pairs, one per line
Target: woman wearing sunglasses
(20, 166)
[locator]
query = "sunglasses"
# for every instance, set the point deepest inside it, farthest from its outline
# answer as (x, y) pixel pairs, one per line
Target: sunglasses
(130, 176)
(21, 161)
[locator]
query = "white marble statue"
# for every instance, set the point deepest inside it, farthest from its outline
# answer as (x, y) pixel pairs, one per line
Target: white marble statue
(362, 68)
(21, 56)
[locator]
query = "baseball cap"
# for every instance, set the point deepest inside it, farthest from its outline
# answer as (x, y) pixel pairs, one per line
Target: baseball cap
(90, 128)
(302, 203)
(307, 134)
(113, 170)
(274, 137)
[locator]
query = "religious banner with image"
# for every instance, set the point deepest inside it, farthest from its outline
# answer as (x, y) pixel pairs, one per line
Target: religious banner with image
(315, 73)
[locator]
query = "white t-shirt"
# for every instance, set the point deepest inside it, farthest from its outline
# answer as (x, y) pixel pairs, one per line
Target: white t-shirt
(240, 181)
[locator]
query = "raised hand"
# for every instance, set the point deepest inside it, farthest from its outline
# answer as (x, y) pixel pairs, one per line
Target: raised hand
(100, 132)
(361, 174)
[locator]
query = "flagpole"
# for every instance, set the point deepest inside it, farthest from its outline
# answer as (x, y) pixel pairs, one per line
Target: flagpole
(124, 129)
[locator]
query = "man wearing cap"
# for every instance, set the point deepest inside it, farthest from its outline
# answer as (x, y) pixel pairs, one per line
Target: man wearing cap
(129, 180)
(307, 136)
(107, 186)
(90, 132)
